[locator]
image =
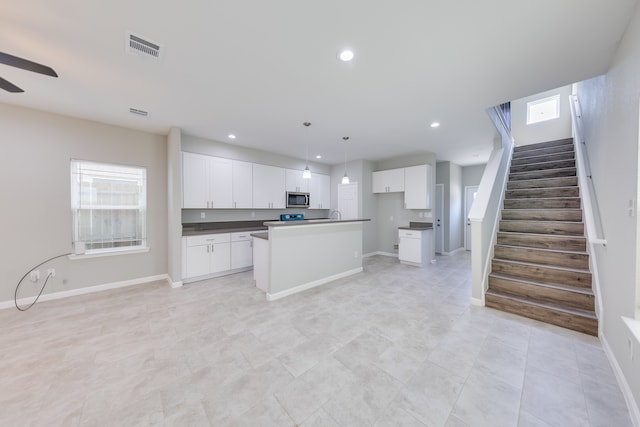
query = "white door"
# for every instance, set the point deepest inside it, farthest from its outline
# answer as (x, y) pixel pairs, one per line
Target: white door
(438, 226)
(348, 200)
(470, 196)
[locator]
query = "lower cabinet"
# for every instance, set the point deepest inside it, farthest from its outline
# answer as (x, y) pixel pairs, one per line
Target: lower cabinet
(241, 250)
(215, 254)
(414, 247)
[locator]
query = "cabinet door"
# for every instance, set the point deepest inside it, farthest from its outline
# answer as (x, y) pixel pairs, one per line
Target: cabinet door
(220, 182)
(195, 187)
(388, 181)
(241, 254)
(395, 180)
(268, 187)
(295, 182)
(409, 249)
(220, 257)
(379, 184)
(198, 260)
(320, 191)
(242, 184)
(417, 187)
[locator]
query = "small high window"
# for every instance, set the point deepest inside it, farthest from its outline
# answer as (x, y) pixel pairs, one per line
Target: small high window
(543, 109)
(109, 207)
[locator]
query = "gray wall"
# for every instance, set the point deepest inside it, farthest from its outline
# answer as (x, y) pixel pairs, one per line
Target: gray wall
(35, 189)
(610, 110)
(391, 213)
(549, 130)
(454, 178)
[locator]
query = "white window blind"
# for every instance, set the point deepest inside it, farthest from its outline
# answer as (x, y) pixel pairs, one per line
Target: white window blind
(109, 207)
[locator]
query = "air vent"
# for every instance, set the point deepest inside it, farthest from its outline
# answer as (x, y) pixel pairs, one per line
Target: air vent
(138, 45)
(138, 112)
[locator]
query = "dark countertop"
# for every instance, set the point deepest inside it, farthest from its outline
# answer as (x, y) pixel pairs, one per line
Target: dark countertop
(418, 226)
(262, 235)
(200, 228)
(312, 221)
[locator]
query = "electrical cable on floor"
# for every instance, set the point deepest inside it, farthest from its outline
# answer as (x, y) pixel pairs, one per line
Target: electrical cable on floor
(15, 295)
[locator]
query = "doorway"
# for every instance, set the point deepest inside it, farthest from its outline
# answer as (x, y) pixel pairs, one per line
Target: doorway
(438, 226)
(348, 200)
(470, 195)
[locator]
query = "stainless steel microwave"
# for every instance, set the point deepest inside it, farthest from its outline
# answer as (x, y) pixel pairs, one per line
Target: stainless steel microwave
(297, 200)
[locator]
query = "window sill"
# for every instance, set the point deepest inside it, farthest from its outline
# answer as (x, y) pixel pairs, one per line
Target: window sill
(76, 257)
(633, 325)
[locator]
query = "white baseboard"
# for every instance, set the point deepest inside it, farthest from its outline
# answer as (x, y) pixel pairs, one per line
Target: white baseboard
(391, 254)
(634, 412)
(175, 284)
(309, 285)
(477, 302)
(455, 251)
(87, 290)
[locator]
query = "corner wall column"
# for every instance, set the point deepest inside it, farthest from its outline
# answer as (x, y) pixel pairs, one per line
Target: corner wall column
(174, 200)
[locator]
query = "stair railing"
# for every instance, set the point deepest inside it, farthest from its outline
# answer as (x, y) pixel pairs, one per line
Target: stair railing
(484, 214)
(591, 212)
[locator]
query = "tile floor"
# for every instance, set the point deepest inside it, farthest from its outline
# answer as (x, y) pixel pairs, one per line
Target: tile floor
(392, 346)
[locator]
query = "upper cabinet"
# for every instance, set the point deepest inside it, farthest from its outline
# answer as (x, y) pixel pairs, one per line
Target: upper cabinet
(320, 191)
(389, 181)
(206, 181)
(295, 181)
(417, 187)
(242, 184)
(268, 187)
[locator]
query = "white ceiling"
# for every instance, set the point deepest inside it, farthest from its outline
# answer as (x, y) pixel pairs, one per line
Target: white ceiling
(260, 68)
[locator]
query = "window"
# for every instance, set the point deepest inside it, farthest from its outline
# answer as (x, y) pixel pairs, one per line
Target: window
(109, 207)
(543, 109)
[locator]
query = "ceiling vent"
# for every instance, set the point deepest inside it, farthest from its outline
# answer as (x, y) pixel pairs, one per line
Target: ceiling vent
(139, 112)
(140, 46)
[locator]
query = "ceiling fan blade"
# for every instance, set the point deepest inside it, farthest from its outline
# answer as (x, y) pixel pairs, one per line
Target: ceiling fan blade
(9, 87)
(25, 64)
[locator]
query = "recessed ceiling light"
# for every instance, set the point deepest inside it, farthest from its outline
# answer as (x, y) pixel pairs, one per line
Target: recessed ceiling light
(435, 124)
(231, 136)
(318, 156)
(346, 55)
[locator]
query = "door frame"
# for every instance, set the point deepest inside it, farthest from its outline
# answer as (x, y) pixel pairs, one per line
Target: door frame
(467, 237)
(439, 230)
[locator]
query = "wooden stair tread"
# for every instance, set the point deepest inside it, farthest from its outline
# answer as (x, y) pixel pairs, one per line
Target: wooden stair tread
(541, 235)
(559, 251)
(568, 288)
(533, 264)
(570, 311)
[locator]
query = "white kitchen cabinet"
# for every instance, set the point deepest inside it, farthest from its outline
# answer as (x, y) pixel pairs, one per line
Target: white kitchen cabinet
(206, 181)
(320, 191)
(417, 187)
(388, 181)
(241, 250)
(295, 182)
(242, 184)
(206, 254)
(414, 247)
(268, 187)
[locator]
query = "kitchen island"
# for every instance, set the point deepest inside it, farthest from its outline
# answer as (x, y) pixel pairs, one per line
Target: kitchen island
(298, 255)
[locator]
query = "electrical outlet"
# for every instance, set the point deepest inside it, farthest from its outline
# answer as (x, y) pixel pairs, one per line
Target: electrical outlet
(253, 214)
(391, 218)
(34, 275)
(51, 272)
(203, 215)
(355, 254)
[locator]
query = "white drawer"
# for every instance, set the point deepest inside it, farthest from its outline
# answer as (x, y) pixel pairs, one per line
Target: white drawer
(240, 236)
(411, 234)
(206, 239)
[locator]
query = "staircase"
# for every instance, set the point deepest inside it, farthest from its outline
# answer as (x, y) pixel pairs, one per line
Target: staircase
(540, 267)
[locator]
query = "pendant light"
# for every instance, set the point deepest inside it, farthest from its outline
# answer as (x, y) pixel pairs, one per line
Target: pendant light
(345, 178)
(306, 174)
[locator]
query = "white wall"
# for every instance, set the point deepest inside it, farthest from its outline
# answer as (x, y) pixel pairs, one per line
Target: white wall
(549, 130)
(610, 110)
(35, 193)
